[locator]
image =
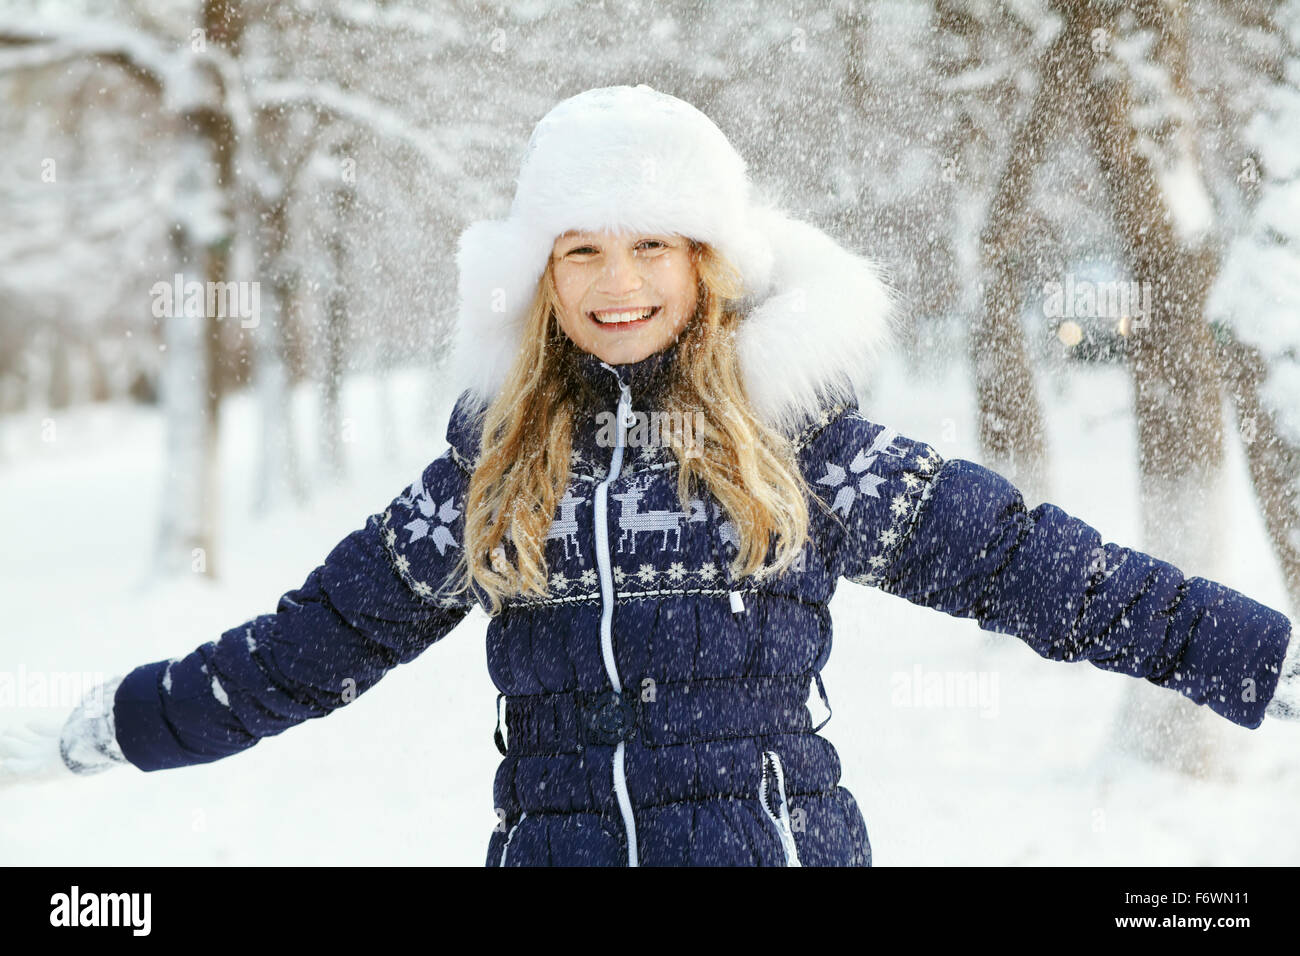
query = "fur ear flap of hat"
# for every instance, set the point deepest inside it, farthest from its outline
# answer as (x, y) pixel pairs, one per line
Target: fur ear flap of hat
(824, 320)
(634, 159)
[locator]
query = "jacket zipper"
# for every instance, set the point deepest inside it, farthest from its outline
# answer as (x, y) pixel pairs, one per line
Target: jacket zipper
(781, 818)
(607, 605)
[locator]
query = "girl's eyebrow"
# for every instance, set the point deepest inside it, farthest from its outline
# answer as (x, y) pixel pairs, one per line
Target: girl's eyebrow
(570, 237)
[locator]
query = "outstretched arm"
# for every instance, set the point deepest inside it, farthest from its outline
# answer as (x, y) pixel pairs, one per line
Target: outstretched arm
(381, 597)
(378, 600)
(955, 536)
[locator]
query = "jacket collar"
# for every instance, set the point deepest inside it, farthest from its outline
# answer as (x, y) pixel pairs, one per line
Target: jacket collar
(598, 387)
(599, 383)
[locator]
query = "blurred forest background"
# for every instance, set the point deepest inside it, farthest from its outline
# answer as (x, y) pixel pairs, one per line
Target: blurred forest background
(1018, 166)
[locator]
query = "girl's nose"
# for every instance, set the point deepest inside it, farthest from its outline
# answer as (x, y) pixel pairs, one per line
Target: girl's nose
(619, 276)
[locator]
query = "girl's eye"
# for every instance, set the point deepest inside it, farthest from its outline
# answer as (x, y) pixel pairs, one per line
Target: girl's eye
(652, 245)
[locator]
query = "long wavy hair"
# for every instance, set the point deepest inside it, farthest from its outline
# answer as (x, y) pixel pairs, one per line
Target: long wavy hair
(523, 468)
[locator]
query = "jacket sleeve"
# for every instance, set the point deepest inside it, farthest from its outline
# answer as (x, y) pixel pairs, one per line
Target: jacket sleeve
(955, 536)
(378, 600)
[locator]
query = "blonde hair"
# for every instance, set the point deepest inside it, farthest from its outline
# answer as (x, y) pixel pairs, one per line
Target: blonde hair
(523, 468)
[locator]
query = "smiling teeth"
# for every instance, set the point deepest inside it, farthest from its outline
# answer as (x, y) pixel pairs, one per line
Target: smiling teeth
(615, 317)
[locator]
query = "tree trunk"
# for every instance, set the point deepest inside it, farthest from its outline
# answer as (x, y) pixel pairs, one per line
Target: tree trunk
(1176, 383)
(1271, 454)
(187, 516)
(1010, 417)
(194, 378)
(279, 476)
(336, 323)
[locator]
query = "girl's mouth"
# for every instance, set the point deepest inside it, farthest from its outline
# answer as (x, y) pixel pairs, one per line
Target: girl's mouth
(622, 319)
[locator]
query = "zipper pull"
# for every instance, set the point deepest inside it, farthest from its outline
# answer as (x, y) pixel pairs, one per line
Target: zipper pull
(737, 602)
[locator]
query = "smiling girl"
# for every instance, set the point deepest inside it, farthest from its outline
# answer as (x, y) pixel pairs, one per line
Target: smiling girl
(658, 618)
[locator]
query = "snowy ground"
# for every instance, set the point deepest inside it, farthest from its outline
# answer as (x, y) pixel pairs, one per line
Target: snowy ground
(404, 775)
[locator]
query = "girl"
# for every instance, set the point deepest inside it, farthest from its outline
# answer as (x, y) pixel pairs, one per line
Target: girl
(656, 476)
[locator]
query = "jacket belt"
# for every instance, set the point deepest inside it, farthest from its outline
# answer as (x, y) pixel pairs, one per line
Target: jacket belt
(659, 714)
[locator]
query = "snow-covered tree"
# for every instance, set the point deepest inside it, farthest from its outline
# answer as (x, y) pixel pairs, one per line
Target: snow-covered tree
(1256, 299)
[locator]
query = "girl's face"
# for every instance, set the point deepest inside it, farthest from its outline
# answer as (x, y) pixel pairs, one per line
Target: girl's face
(623, 296)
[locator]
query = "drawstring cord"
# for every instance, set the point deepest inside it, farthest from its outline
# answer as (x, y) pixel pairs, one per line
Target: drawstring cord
(497, 737)
(821, 690)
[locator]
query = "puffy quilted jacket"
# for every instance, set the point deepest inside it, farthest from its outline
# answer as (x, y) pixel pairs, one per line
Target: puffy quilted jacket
(656, 710)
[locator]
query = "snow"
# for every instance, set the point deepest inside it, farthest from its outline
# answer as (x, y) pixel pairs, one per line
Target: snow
(1020, 776)
(1257, 290)
(175, 71)
(367, 113)
(1183, 187)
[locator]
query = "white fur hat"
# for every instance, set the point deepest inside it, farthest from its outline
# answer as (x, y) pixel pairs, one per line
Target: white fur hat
(625, 158)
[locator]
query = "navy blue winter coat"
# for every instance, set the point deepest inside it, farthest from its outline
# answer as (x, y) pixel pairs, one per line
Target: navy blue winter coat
(655, 708)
